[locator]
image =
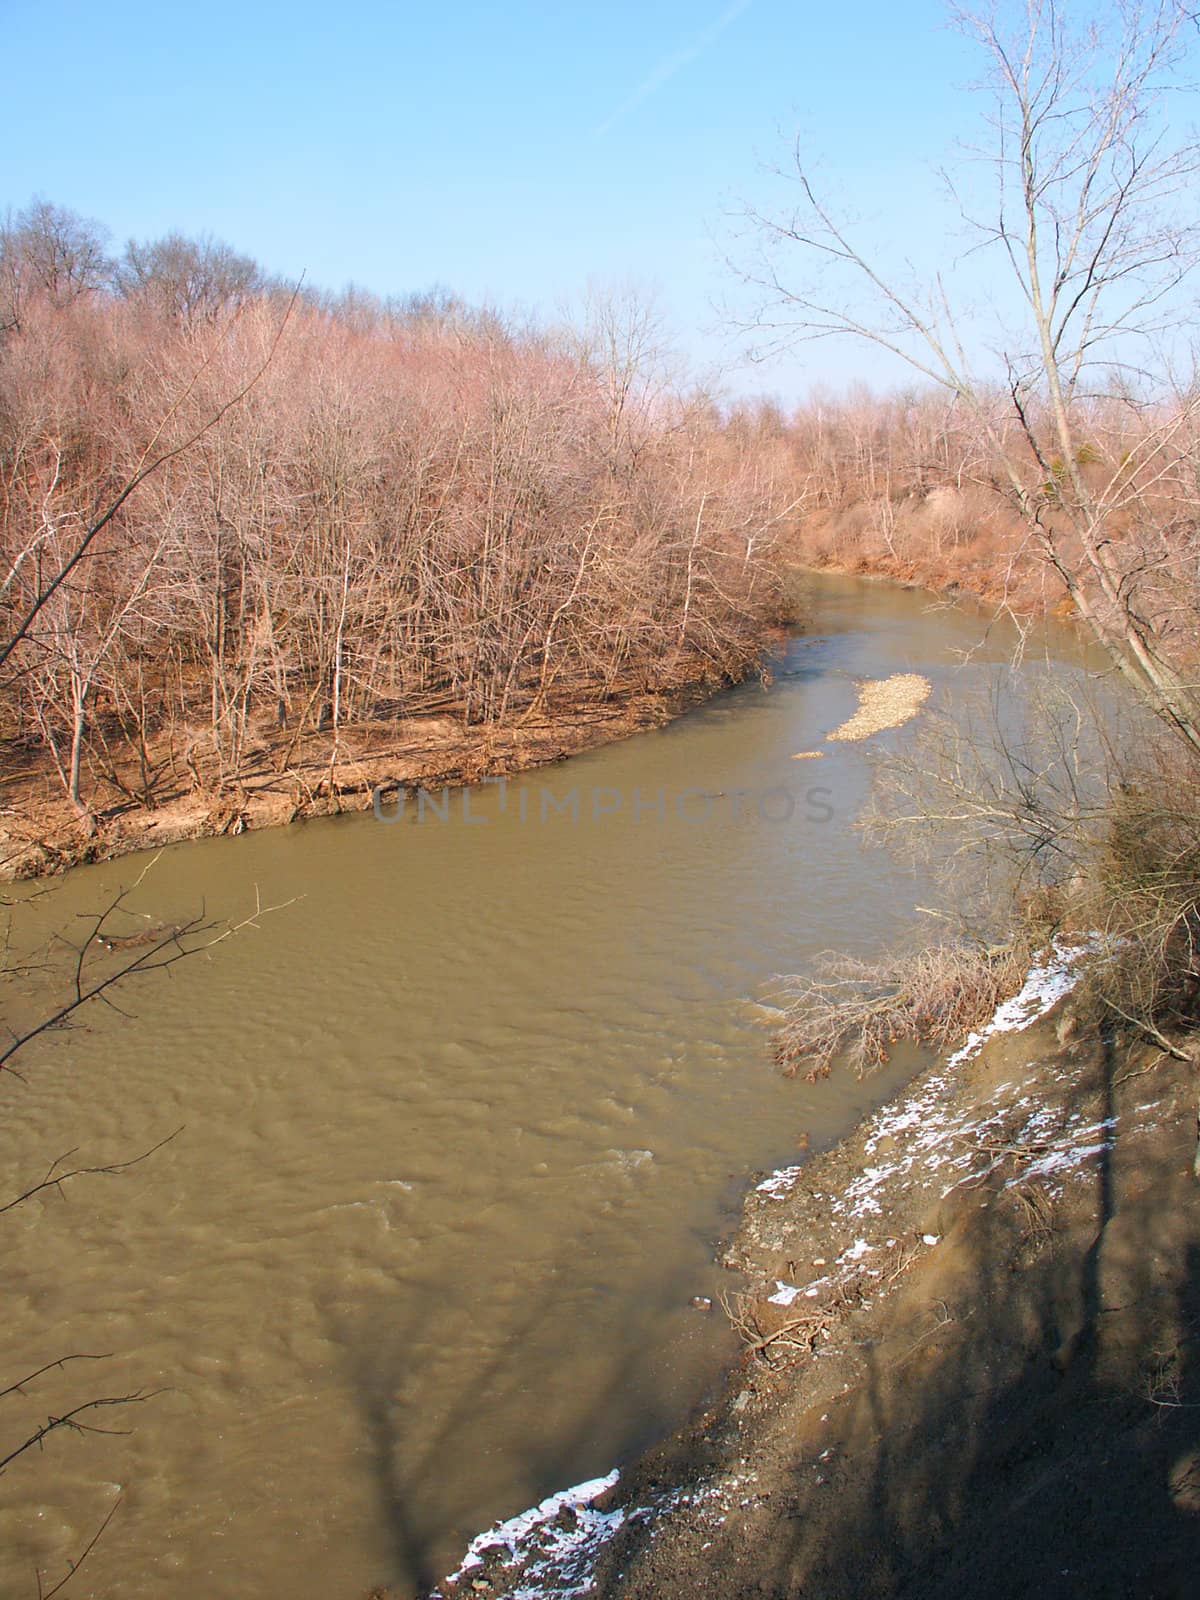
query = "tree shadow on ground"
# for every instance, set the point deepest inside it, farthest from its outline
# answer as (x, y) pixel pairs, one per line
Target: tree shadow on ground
(1029, 1424)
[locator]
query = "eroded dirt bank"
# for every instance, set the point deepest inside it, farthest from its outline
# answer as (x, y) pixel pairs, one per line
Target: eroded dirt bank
(971, 1365)
(41, 835)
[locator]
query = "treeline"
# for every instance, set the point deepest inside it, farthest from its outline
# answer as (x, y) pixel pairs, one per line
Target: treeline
(357, 510)
(909, 485)
(920, 486)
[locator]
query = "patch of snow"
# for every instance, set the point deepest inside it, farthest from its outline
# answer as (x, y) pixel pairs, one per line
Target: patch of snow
(930, 1137)
(779, 1183)
(1062, 1160)
(1044, 986)
(920, 1137)
(1068, 1155)
(557, 1549)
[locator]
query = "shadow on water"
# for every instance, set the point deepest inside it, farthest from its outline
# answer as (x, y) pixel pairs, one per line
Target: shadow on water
(430, 1473)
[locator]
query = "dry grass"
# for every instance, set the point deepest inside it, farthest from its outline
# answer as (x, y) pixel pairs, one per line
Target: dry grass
(859, 1010)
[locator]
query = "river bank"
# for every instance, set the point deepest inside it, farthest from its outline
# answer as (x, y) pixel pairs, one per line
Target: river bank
(462, 1127)
(284, 780)
(964, 1325)
(949, 543)
(41, 835)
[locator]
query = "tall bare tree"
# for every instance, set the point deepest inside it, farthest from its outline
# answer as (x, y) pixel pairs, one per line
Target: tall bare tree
(1088, 215)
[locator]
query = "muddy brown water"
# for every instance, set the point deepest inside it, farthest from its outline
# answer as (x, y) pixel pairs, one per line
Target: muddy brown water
(461, 1128)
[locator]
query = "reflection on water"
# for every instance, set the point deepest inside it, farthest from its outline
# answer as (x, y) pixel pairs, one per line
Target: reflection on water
(461, 1126)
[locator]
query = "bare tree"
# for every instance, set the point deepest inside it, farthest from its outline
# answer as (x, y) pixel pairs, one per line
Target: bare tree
(1088, 214)
(187, 280)
(221, 576)
(49, 252)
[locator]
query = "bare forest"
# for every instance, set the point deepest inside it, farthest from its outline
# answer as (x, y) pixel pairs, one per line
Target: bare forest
(250, 530)
(242, 523)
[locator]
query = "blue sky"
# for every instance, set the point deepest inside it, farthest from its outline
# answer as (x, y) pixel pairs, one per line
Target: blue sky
(511, 153)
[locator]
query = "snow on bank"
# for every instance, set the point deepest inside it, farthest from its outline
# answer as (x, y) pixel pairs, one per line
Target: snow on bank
(780, 1182)
(929, 1141)
(1070, 1151)
(932, 1138)
(1044, 986)
(557, 1543)
(553, 1550)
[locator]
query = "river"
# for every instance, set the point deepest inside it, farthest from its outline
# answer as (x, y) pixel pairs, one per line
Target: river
(461, 1126)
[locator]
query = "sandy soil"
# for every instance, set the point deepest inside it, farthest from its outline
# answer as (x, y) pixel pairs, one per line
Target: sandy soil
(972, 1333)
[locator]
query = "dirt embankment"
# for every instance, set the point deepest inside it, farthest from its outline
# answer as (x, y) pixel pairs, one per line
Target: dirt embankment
(40, 834)
(972, 1360)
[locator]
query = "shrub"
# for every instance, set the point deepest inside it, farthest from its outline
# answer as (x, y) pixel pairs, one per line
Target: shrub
(859, 1010)
(1139, 886)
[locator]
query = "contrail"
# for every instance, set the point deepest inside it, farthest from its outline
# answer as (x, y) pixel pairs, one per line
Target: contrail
(670, 65)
